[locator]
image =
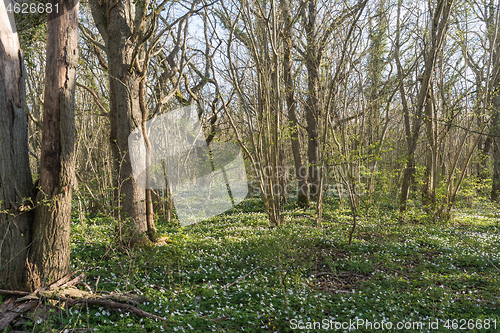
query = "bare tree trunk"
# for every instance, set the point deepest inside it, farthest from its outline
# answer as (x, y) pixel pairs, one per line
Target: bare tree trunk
(152, 234)
(313, 60)
(314, 49)
(151, 230)
(15, 175)
(438, 32)
(124, 94)
(117, 26)
(492, 17)
(300, 172)
(375, 128)
(495, 130)
(312, 110)
(429, 185)
(274, 117)
(50, 251)
(482, 149)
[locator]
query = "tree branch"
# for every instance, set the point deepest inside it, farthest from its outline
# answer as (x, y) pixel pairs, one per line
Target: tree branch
(103, 110)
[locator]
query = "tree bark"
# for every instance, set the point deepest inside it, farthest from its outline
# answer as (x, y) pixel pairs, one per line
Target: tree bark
(50, 251)
(313, 60)
(15, 174)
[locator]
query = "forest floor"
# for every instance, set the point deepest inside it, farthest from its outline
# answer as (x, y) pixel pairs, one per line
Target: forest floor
(418, 276)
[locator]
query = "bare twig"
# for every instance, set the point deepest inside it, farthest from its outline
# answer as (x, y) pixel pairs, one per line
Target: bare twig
(63, 280)
(111, 304)
(96, 283)
(13, 292)
(96, 99)
(76, 280)
(241, 278)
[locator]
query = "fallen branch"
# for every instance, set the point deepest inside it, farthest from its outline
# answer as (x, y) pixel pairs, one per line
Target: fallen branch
(126, 298)
(13, 293)
(60, 291)
(241, 278)
(96, 283)
(63, 280)
(9, 311)
(110, 304)
(55, 288)
(76, 280)
(73, 301)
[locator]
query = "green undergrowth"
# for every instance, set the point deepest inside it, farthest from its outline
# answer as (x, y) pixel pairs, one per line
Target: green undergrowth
(402, 273)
